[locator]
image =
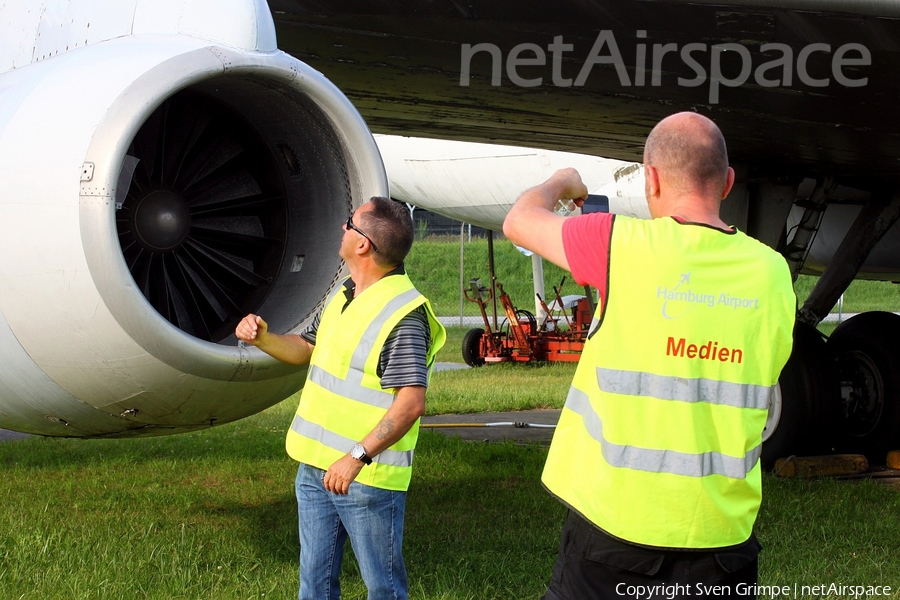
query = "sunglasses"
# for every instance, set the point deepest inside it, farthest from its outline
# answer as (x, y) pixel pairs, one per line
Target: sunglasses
(350, 225)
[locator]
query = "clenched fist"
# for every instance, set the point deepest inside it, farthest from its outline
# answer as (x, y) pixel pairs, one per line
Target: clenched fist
(251, 329)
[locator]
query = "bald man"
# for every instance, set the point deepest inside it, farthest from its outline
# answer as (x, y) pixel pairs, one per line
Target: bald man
(656, 453)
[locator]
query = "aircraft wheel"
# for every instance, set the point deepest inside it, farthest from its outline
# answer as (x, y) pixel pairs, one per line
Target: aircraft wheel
(471, 347)
(800, 409)
(868, 367)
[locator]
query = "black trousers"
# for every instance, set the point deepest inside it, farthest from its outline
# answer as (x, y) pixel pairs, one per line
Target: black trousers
(592, 565)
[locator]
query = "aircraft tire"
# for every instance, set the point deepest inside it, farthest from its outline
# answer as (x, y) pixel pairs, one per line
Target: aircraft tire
(800, 412)
(868, 367)
(471, 346)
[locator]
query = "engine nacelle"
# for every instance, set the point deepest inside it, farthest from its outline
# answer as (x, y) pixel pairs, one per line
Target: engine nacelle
(153, 190)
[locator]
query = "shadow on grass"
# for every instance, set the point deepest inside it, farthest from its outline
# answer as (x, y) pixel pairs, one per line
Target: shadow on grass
(478, 523)
(478, 520)
(269, 526)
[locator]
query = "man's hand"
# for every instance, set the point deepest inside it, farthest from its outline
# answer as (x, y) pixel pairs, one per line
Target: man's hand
(406, 409)
(251, 329)
(341, 474)
(566, 184)
(291, 349)
(531, 222)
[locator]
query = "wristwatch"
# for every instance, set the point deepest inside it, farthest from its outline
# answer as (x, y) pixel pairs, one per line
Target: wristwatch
(359, 453)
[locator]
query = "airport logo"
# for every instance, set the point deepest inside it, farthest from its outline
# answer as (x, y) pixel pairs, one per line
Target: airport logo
(683, 299)
(704, 60)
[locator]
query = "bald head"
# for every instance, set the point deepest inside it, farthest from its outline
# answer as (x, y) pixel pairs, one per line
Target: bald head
(689, 151)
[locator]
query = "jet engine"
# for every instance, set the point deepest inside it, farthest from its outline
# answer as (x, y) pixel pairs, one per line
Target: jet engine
(154, 188)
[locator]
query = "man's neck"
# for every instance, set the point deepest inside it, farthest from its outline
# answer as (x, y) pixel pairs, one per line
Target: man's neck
(366, 276)
(697, 210)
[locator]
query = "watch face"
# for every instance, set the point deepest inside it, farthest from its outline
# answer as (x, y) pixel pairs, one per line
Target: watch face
(359, 453)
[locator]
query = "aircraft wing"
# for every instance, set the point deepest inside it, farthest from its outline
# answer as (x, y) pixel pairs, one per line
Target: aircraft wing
(478, 183)
(799, 87)
(803, 91)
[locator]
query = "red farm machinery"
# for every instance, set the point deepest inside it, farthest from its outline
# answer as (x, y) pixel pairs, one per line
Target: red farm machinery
(521, 338)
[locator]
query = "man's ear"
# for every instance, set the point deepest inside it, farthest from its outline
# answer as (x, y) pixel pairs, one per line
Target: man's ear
(651, 175)
(729, 183)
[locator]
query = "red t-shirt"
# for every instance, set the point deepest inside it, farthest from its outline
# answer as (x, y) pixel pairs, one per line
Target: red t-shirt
(586, 244)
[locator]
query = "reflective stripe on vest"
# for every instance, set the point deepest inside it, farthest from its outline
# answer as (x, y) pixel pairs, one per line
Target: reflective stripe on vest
(684, 389)
(659, 461)
(352, 386)
(341, 443)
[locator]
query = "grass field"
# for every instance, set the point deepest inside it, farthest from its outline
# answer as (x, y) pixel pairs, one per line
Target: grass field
(211, 514)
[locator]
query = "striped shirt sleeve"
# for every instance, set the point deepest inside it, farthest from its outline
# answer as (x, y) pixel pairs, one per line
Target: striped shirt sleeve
(404, 355)
(309, 334)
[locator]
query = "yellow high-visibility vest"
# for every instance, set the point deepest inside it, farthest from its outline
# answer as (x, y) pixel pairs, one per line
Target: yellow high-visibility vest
(660, 437)
(342, 400)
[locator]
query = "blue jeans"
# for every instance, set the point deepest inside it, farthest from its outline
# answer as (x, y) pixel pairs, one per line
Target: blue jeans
(373, 520)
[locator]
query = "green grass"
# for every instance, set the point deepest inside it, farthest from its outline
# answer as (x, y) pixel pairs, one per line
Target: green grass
(500, 387)
(526, 386)
(860, 296)
(829, 531)
(212, 515)
(192, 516)
(452, 349)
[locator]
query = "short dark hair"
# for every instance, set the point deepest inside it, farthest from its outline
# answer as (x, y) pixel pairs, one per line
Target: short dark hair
(391, 227)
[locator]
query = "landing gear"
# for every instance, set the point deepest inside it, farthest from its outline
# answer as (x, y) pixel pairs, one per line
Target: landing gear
(843, 394)
(801, 409)
(868, 367)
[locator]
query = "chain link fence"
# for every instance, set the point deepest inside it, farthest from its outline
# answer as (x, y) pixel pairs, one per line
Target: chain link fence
(428, 224)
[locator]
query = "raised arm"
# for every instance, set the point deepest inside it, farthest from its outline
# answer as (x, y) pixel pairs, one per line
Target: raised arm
(532, 224)
(291, 349)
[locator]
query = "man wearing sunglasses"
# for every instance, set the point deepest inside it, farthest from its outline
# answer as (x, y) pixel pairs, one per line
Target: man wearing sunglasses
(370, 352)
